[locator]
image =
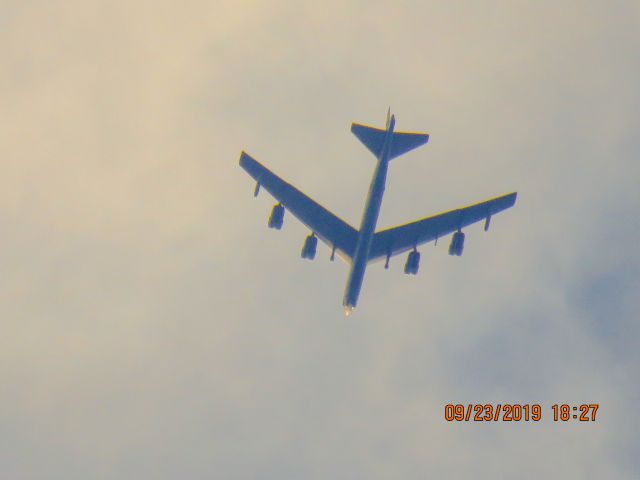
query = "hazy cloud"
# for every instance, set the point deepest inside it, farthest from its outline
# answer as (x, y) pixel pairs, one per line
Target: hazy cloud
(153, 326)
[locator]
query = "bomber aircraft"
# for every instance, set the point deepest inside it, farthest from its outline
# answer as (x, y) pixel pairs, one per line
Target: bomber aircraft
(363, 246)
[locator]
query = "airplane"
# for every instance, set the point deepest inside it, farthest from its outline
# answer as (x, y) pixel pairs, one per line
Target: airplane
(365, 245)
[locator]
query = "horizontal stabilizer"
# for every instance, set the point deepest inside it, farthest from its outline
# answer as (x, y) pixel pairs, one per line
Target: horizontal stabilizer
(401, 143)
(372, 138)
(405, 142)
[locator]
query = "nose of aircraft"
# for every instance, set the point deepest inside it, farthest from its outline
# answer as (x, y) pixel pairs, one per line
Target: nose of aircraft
(347, 310)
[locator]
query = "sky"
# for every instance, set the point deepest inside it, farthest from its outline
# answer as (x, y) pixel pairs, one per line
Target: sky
(154, 327)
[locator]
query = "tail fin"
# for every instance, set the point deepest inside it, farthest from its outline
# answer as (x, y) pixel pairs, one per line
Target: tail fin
(401, 143)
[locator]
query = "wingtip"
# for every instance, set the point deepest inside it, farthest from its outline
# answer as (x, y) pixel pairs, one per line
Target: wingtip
(510, 198)
(244, 158)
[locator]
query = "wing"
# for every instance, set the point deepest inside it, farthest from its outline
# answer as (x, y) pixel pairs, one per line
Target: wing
(327, 227)
(405, 237)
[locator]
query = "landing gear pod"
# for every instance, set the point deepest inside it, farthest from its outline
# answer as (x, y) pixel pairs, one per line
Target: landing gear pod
(413, 263)
(277, 217)
(457, 244)
(309, 247)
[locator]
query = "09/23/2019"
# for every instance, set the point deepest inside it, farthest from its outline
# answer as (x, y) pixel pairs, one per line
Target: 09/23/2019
(489, 412)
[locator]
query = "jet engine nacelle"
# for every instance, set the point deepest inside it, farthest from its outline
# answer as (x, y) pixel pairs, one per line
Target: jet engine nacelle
(413, 263)
(277, 217)
(457, 244)
(309, 247)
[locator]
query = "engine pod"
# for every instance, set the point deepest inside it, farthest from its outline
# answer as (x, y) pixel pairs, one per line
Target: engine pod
(277, 217)
(309, 247)
(413, 263)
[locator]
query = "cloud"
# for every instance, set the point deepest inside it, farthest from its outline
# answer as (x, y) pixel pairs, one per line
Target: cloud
(154, 327)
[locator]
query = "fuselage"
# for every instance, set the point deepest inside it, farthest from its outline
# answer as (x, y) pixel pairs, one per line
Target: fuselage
(368, 223)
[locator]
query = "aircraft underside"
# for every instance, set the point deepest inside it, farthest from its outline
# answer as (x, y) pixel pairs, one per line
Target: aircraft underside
(365, 245)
